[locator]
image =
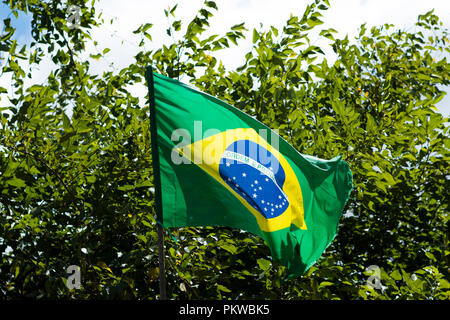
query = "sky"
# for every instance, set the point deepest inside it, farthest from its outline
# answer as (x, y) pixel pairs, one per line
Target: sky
(345, 16)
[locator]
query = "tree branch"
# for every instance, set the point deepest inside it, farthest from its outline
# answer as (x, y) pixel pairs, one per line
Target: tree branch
(53, 171)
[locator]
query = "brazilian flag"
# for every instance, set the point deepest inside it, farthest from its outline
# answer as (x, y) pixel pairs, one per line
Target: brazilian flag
(217, 166)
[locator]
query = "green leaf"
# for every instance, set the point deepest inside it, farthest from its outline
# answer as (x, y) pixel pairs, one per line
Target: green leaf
(314, 21)
(91, 179)
(172, 11)
(264, 264)
(371, 125)
(16, 182)
(326, 284)
(396, 275)
(430, 256)
(126, 187)
(95, 56)
(222, 288)
(211, 4)
(255, 36)
(239, 27)
(388, 177)
(146, 183)
(229, 247)
(35, 88)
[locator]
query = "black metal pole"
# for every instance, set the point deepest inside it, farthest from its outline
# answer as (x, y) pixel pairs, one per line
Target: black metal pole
(157, 183)
(162, 267)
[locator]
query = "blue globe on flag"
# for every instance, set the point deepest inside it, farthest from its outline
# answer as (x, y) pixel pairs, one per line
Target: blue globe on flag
(256, 175)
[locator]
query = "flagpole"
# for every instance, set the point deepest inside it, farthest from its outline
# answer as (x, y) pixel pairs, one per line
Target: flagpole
(157, 183)
(162, 267)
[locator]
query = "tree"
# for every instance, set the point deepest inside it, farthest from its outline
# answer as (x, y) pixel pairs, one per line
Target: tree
(78, 189)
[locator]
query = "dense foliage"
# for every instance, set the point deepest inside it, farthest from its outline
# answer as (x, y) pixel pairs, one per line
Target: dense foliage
(75, 158)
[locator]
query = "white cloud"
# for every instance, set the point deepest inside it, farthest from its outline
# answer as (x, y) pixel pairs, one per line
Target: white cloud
(344, 15)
